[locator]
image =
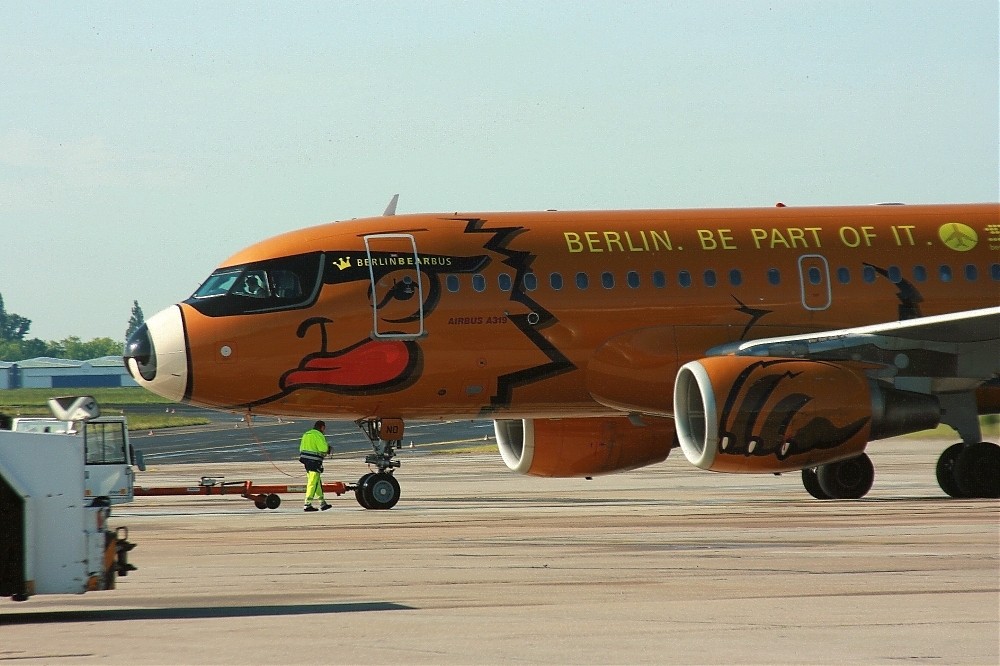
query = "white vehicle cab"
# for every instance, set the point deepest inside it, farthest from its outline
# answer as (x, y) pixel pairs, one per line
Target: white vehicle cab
(58, 480)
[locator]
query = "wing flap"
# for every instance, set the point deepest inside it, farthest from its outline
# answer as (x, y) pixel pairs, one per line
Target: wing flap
(942, 353)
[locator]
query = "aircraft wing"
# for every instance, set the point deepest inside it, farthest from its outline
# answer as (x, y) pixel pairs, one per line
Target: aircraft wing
(937, 354)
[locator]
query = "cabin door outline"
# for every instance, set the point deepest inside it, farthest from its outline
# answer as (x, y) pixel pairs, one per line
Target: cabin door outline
(405, 275)
(814, 282)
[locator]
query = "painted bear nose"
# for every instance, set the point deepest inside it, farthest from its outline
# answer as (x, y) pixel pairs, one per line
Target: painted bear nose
(156, 355)
(140, 351)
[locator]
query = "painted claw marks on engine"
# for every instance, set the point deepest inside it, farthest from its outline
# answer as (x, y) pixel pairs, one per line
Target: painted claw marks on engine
(785, 407)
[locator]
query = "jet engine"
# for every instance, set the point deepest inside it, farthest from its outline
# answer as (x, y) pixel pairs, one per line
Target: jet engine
(582, 446)
(751, 414)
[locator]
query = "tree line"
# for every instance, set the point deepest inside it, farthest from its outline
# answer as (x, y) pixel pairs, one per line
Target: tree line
(15, 345)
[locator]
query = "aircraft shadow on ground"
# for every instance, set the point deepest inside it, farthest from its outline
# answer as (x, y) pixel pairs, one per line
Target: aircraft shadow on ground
(195, 612)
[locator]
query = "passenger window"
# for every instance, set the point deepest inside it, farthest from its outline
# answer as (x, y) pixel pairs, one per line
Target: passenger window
(895, 275)
(944, 273)
(774, 276)
(710, 278)
(815, 277)
(633, 279)
(844, 275)
(556, 281)
(919, 273)
(995, 271)
(504, 282)
(530, 281)
(684, 278)
(479, 282)
(582, 281)
(659, 279)
(971, 272)
(735, 277)
(868, 274)
(608, 280)
(452, 282)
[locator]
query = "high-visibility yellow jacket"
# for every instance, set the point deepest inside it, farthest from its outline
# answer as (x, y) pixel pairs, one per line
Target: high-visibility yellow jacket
(313, 445)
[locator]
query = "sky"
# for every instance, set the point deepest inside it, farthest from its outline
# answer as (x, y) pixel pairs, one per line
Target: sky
(143, 143)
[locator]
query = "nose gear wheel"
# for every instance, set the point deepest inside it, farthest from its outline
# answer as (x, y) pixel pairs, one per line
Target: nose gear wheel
(380, 490)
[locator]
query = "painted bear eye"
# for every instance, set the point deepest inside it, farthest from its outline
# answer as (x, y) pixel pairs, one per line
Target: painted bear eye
(404, 289)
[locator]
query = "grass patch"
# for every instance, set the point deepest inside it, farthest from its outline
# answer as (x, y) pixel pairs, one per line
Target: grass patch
(113, 402)
(445, 449)
(135, 421)
(110, 398)
(33, 402)
(151, 422)
(989, 424)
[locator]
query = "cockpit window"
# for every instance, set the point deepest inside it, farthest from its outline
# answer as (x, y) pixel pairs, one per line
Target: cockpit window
(253, 284)
(265, 286)
(218, 283)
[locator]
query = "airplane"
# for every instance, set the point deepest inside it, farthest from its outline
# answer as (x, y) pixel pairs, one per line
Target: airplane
(762, 340)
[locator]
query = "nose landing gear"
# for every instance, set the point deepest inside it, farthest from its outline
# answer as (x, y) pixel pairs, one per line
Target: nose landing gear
(380, 490)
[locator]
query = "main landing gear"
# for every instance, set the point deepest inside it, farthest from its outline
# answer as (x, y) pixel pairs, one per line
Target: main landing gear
(380, 490)
(963, 470)
(970, 470)
(972, 467)
(844, 479)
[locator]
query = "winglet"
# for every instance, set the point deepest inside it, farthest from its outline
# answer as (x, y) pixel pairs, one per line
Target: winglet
(391, 208)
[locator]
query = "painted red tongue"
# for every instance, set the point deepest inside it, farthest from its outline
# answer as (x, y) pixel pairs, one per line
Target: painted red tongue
(369, 364)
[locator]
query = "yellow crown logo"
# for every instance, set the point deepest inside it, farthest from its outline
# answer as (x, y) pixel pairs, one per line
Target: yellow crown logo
(343, 263)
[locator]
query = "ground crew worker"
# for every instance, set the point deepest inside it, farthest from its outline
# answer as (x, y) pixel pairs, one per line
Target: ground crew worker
(312, 450)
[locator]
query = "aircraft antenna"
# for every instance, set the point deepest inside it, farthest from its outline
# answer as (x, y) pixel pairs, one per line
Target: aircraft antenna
(391, 208)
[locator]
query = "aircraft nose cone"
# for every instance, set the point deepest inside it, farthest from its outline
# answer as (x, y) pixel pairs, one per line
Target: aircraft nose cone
(156, 355)
(140, 355)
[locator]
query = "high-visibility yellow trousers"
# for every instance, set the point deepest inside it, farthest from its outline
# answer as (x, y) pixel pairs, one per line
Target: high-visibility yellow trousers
(314, 487)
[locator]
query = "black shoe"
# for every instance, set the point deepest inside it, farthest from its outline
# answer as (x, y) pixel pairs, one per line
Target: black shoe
(324, 506)
(310, 507)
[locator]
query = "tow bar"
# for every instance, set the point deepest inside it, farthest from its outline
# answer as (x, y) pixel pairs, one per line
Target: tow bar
(263, 496)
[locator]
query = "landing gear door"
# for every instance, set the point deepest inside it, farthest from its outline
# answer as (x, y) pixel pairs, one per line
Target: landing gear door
(397, 290)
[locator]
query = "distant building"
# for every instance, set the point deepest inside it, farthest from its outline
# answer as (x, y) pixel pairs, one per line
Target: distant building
(8, 375)
(46, 372)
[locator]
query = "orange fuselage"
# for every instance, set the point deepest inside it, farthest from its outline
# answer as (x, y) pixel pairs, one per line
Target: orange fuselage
(559, 314)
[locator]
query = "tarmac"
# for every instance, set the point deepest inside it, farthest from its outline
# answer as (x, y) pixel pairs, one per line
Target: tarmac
(475, 565)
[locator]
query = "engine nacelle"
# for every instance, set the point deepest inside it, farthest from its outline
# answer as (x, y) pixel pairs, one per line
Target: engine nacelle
(582, 446)
(749, 414)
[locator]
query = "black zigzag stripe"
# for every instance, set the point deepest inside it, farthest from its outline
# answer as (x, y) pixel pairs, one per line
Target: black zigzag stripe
(520, 261)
